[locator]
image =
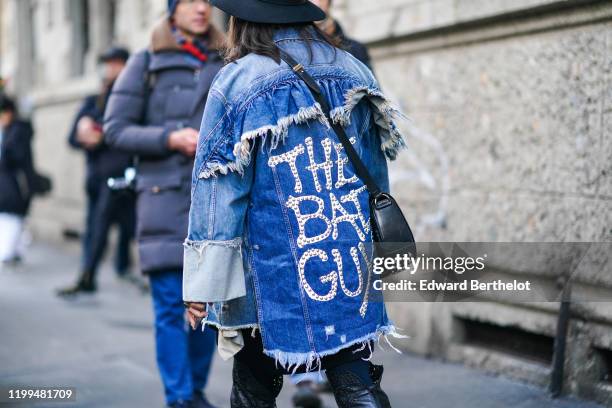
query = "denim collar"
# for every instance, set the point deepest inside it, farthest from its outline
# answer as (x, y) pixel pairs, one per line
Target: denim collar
(291, 33)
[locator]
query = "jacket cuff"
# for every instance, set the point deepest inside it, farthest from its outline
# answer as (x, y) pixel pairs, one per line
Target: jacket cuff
(163, 139)
(213, 271)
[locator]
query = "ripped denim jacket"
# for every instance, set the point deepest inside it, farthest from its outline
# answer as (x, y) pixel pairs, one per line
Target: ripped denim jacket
(279, 222)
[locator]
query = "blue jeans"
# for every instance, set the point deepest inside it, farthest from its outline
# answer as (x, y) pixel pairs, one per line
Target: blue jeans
(184, 356)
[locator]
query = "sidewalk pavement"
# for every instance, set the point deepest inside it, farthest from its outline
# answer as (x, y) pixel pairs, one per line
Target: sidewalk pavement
(102, 345)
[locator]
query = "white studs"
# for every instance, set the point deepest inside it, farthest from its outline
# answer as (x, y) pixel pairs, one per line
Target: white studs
(290, 158)
(353, 197)
(331, 277)
(368, 260)
(338, 260)
(326, 166)
(302, 219)
(341, 162)
(345, 217)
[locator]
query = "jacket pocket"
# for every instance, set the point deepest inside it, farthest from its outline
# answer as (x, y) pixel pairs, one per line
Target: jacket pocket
(163, 206)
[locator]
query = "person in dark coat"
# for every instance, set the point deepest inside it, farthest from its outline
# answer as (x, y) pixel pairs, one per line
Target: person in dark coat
(104, 207)
(154, 112)
(334, 29)
(16, 172)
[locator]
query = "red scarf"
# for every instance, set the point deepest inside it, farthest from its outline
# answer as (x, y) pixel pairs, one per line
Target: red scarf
(193, 49)
(197, 48)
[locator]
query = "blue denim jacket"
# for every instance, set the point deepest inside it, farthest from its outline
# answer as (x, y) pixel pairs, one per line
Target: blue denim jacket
(279, 221)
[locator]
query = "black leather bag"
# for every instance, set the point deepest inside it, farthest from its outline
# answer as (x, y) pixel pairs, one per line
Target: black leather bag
(391, 232)
(41, 184)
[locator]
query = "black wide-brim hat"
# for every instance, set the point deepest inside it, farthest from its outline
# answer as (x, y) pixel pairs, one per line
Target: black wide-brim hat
(272, 11)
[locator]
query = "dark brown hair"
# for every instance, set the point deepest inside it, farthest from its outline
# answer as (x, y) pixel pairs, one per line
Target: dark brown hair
(245, 37)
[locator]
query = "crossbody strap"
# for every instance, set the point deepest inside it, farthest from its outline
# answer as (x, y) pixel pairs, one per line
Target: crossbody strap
(360, 168)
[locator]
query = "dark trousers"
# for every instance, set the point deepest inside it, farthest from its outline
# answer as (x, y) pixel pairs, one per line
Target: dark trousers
(93, 193)
(105, 209)
(264, 368)
(184, 356)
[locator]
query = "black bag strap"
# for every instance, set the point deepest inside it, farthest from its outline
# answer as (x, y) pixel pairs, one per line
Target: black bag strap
(148, 85)
(360, 168)
(146, 95)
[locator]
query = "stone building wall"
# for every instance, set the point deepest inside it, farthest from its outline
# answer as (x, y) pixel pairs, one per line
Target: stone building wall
(39, 62)
(511, 140)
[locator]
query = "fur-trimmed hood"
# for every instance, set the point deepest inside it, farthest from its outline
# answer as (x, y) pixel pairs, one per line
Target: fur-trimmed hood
(162, 38)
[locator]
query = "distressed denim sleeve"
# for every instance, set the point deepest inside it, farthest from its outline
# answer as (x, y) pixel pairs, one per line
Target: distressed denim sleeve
(213, 268)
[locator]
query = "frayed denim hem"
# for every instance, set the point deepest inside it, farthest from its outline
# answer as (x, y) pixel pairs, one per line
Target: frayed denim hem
(384, 117)
(278, 133)
(199, 246)
(211, 309)
(219, 326)
(312, 360)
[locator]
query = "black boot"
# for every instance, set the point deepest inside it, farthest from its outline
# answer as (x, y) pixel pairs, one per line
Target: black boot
(351, 392)
(85, 284)
(248, 392)
(200, 400)
(376, 372)
(307, 396)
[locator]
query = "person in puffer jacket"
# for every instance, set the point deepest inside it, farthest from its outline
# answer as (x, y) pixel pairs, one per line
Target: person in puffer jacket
(154, 112)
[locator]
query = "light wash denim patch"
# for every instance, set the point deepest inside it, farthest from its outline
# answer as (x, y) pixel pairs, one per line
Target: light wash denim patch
(225, 259)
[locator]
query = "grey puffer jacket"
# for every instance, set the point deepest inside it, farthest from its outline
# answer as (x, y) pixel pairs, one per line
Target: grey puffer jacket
(145, 106)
